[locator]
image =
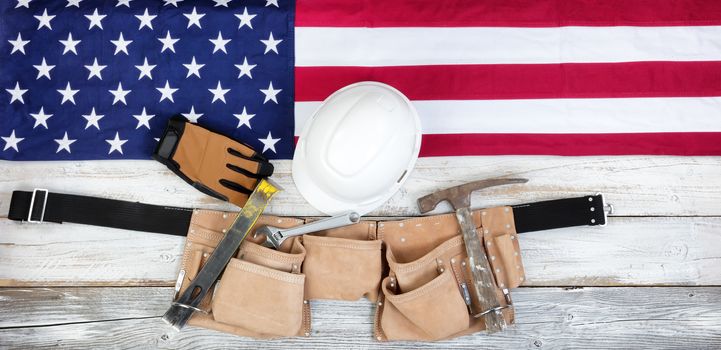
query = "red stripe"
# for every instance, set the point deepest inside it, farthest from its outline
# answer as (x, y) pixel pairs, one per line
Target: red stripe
(506, 13)
(678, 144)
(521, 81)
(681, 144)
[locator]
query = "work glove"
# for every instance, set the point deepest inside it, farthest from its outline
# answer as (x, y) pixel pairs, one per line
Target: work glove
(213, 163)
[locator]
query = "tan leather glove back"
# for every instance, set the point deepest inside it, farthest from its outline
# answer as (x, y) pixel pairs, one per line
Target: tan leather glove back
(213, 163)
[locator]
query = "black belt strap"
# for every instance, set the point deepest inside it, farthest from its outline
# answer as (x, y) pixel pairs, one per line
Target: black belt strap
(579, 211)
(41, 205)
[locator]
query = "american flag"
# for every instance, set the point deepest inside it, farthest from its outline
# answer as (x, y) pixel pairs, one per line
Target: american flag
(559, 77)
(93, 79)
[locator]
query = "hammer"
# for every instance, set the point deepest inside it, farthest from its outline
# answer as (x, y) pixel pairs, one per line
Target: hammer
(484, 286)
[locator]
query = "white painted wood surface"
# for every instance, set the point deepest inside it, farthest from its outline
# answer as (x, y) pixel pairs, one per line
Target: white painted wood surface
(637, 186)
(547, 318)
(76, 286)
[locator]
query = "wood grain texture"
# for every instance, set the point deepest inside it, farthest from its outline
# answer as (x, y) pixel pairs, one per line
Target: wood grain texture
(26, 307)
(547, 318)
(637, 186)
(629, 251)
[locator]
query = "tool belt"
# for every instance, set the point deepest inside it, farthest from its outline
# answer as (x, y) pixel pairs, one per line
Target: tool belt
(419, 284)
(414, 269)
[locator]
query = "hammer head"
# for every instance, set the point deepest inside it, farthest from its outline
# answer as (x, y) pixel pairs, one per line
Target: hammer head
(460, 196)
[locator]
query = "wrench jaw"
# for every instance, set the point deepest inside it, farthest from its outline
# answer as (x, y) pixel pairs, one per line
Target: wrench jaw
(276, 239)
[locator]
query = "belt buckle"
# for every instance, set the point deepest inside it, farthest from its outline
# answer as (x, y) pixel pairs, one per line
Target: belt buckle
(32, 206)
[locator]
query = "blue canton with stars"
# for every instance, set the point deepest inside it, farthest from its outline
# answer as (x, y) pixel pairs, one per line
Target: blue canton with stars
(98, 79)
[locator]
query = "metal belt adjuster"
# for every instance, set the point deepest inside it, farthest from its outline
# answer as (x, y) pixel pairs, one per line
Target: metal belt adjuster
(607, 209)
(32, 206)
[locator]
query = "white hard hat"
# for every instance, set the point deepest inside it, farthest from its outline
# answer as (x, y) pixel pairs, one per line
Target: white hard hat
(357, 149)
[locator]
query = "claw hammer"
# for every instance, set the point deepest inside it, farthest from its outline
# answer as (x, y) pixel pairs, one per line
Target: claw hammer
(484, 285)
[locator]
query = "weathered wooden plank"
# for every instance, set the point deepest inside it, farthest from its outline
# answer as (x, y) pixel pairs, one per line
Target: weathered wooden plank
(23, 307)
(637, 186)
(547, 318)
(629, 251)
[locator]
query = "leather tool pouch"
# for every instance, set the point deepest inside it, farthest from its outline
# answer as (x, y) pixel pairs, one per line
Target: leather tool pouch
(212, 163)
(261, 292)
(426, 294)
(343, 263)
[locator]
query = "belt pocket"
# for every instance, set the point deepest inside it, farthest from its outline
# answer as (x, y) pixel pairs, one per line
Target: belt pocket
(341, 268)
(411, 275)
(282, 261)
(433, 311)
(260, 299)
(199, 245)
(423, 298)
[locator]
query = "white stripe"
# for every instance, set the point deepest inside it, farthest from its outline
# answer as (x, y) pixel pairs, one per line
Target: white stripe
(328, 46)
(559, 116)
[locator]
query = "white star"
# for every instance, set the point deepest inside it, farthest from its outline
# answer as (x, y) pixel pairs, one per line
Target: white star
(168, 42)
(245, 68)
(172, 2)
(18, 44)
(166, 92)
(245, 18)
(244, 118)
(146, 20)
(95, 19)
(218, 93)
(12, 141)
(194, 18)
(70, 44)
(121, 44)
(68, 94)
(44, 69)
(219, 43)
(92, 119)
(271, 44)
(64, 143)
(269, 143)
(17, 93)
(123, 2)
(41, 118)
(116, 144)
(75, 3)
(45, 20)
(119, 94)
(23, 3)
(192, 116)
(193, 68)
(145, 70)
(270, 93)
(95, 69)
(223, 3)
(143, 120)
(271, 2)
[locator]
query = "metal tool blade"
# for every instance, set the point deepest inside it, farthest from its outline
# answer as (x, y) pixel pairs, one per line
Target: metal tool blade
(181, 310)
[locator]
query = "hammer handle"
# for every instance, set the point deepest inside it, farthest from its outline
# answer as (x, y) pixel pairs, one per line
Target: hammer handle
(484, 286)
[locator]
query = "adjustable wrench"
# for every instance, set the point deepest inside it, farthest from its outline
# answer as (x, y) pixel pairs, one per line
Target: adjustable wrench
(276, 235)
